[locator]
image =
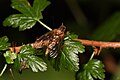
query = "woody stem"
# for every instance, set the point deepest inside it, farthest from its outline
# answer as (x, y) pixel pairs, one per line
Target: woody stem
(99, 43)
(89, 43)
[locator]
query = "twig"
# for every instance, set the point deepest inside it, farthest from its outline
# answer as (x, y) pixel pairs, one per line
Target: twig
(3, 70)
(99, 43)
(12, 74)
(84, 42)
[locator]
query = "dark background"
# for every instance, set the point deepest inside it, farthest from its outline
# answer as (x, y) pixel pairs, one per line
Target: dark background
(80, 16)
(92, 14)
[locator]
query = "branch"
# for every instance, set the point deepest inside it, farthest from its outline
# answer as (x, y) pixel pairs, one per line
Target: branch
(99, 43)
(84, 42)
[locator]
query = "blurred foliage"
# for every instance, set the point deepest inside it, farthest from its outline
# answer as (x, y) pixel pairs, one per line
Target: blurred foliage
(117, 74)
(109, 29)
(50, 74)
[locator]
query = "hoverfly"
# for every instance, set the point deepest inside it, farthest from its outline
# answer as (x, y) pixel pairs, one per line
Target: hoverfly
(53, 41)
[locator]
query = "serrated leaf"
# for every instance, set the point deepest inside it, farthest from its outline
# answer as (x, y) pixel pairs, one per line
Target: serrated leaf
(10, 56)
(30, 15)
(69, 60)
(92, 70)
(27, 50)
(69, 57)
(3, 43)
(69, 36)
(23, 6)
(38, 6)
(27, 53)
(36, 63)
(74, 46)
(55, 62)
(24, 22)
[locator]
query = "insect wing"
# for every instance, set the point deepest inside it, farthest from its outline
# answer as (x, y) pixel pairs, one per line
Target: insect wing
(55, 49)
(43, 40)
(55, 44)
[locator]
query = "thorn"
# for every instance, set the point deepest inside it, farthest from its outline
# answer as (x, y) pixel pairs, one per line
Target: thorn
(97, 50)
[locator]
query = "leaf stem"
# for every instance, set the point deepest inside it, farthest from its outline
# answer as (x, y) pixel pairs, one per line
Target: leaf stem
(3, 70)
(44, 25)
(92, 55)
(12, 74)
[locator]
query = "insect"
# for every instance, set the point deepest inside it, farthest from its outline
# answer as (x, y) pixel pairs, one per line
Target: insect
(23, 65)
(53, 41)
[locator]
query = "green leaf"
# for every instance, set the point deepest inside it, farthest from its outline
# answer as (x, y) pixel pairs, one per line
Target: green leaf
(30, 15)
(55, 62)
(24, 22)
(17, 63)
(36, 63)
(10, 57)
(27, 53)
(69, 57)
(23, 6)
(3, 43)
(27, 50)
(92, 70)
(70, 36)
(109, 29)
(38, 6)
(74, 46)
